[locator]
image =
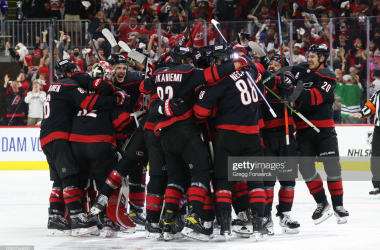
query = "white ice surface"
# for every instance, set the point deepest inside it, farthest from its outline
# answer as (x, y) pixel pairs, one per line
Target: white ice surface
(24, 197)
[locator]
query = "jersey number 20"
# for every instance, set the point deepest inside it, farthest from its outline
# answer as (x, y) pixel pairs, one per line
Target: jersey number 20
(245, 96)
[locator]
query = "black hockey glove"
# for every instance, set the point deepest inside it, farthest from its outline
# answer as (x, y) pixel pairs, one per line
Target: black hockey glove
(122, 98)
(286, 85)
(173, 107)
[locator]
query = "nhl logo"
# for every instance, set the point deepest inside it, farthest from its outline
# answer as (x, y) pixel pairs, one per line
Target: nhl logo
(369, 137)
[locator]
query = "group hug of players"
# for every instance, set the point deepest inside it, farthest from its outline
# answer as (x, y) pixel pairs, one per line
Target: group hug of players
(196, 110)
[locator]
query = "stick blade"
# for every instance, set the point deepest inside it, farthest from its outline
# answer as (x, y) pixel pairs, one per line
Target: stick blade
(135, 55)
(214, 22)
(124, 46)
(111, 39)
(256, 48)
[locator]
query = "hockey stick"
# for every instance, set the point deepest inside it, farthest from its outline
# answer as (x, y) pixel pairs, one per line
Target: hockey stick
(188, 13)
(111, 39)
(250, 80)
(94, 25)
(183, 37)
(256, 48)
(195, 31)
(124, 46)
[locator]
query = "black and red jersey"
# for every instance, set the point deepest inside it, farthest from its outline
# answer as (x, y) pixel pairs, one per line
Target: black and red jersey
(15, 103)
(182, 81)
(237, 103)
(131, 86)
(63, 100)
(317, 97)
(99, 126)
(93, 84)
(269, 121)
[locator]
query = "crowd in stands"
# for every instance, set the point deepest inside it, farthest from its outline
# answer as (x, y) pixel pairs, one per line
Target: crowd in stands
(338, 23)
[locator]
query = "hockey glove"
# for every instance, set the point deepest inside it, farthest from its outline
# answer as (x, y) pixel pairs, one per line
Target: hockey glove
(122, 98)
(243, 61)
(104, 87)
(286, 85)
(173, 107)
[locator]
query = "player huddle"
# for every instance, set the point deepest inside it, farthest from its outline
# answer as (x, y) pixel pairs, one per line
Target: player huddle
(198, 108)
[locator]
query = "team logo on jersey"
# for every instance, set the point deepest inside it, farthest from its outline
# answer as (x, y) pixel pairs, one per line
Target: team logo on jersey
(131, 35)
(369, 137)
(201, 94)
(199, 36)
(16, 100)
(139, 153)
(54, 3)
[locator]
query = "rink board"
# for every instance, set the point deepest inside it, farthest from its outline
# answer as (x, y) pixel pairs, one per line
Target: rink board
(20, 148)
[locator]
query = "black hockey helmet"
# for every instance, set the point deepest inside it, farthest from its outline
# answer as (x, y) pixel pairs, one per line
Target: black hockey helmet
(180, 52)
(321, 49)
(277, 58)
(142, 51)
(65, 66)
(202, 56)
(223, 52)
(116, 59)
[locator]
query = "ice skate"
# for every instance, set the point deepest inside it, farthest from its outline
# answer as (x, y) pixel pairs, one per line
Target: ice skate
(153, 231)
(268, 224)
(242, 225)
(110, 228)
(225, 224)
(82, 224)
(375, 193)
(209, 225)
(194, 228)
(169, 227)
(137, 217)
(259, 231)
(322, 213)
(58, 226)
(341, 214)
(289, 226)
(99, 204)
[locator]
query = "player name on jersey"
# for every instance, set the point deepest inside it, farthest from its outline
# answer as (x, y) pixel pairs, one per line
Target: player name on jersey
(236, 75)
(169, 77)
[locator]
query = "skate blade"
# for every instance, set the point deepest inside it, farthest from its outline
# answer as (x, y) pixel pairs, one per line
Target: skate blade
(129, 230)
(58, 233)
(340, 220)
(154, 236)
(188, 232)
(83, 231)
(270, 230)
(96, 233)
(108, 233)
(168, 236)
(243, 230)
(140, 227)
(374, 196)
(287, 230)
(225, 234)
(260, 236)
(327, 215)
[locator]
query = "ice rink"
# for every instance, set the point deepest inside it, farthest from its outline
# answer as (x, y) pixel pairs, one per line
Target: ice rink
(24, 206)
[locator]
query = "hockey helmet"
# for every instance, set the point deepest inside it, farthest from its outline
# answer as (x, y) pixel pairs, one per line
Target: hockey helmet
(320, 49)
(116, 58)
(277, 58)
(223, 52)
(65, 66)
(102, 70)
(180, 52)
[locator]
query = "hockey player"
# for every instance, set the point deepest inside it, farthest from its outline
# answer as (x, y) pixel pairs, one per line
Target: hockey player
(136, 158)
(237, 121)
(370, 109)
(273, 135)
(315, 102)
(64, 97)
(180, 137)
(93, 146)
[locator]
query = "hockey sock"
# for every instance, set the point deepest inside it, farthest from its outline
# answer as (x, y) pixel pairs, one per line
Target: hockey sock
(223, 199)
(136, 197)
(336, 192)
(316, 189)
(285, 196)
(72, 197)
(197, 195)
(257, 199)
(208, 208)
(240, 199)
(153, 207)
(57, 205)
(113, 181)
(269, 200)
(173, 195)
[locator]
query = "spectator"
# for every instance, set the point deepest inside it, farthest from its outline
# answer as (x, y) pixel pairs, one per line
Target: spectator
(24, 82)
(37, 9)
(166, 10)
(355, 7)
(77, 59)
(199, 38)
(127, 33)
(32, 63)
(125, 15)
(141, 39)
(350, 94)
(297, 57)
(15, 111)
(4, 17)
(175, 37)
(35, 99)
(151, 6)
(73, 10)
(309, 11)
(55, 8)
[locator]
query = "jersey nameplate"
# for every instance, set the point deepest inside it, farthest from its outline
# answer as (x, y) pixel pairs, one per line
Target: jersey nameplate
(169, 77)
